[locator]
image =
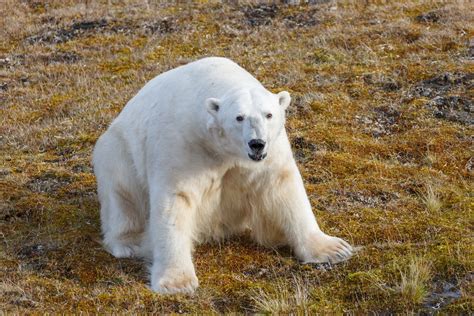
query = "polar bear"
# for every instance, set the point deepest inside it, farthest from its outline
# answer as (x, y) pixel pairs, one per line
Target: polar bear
(201, 153)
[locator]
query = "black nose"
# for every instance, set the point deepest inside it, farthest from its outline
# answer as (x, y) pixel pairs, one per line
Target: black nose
(257, 145)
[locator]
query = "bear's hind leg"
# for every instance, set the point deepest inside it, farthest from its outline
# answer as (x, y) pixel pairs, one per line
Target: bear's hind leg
(123, 213)
(125, 225)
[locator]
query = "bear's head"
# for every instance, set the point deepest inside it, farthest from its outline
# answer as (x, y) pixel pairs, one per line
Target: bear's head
(245, 122)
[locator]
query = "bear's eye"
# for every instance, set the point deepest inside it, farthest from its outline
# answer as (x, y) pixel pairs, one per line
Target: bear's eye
(239, 118)
(269, 115)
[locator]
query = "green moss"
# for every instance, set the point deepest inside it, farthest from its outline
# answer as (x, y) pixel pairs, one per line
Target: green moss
(321, 55)
(120, 65)
(367, 189)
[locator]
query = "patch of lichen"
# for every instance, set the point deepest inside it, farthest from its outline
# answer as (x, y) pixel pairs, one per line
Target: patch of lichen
(368, 147)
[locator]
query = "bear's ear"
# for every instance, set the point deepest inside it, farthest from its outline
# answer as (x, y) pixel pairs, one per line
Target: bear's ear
(213, 106)
(284, 99)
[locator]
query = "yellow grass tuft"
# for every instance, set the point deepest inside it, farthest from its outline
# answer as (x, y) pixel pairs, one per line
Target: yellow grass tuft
(432, 199)
(283, 298)
(414, 279)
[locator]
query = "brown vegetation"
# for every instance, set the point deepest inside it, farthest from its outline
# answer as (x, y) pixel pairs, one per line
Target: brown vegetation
(381, 125)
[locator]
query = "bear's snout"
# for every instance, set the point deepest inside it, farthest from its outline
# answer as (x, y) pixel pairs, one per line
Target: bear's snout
(257, 145)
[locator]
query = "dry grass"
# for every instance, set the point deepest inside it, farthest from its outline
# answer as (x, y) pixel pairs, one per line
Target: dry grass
(284, 298)
(414, 281)
(381, 127)
(432, 199)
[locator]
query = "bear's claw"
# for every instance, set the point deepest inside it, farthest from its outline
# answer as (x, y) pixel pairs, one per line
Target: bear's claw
(324, 248)
(174, 283)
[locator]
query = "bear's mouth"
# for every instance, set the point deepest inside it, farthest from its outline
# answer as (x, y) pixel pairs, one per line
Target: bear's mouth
(257, 157)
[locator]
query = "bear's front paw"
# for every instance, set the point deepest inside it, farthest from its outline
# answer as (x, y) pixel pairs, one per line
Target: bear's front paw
(323, 248)
(175, 281)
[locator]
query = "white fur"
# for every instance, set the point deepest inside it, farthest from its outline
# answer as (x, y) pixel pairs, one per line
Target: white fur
(173, 170)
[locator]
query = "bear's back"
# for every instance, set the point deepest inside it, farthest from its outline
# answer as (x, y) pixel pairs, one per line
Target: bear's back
(182, 91)
(218, 70)
(214, 75)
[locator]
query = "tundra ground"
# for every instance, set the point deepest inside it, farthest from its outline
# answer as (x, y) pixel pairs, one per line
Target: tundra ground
(381, 125)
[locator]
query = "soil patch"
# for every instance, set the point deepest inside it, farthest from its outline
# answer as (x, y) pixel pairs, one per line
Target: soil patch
(444, 293)
(85, 28)
(381, 81)
(261, 14)
(49, 182)
(444, 83)
(302, 148)
(429, 17)
(302, 19)
(449, 96)
(453, 108)
(61, 57)
(383, 121)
